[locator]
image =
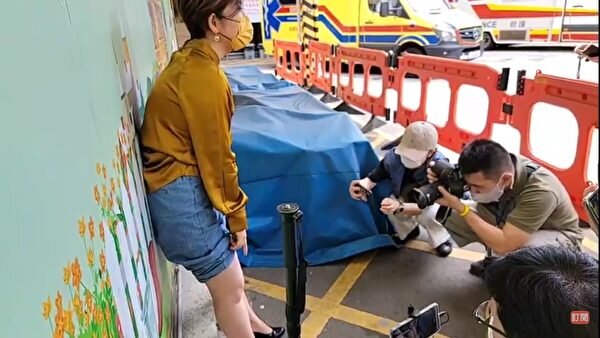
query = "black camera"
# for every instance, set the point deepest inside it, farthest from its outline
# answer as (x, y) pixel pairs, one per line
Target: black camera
(449, 177)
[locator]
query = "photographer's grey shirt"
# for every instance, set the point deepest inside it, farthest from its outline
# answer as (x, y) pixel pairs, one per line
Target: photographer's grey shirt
(537, 202)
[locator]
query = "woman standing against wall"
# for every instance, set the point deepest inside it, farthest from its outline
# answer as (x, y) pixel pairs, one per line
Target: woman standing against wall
(197, 207)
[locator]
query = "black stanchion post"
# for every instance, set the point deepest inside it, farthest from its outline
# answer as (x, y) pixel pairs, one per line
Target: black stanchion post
(296, 273)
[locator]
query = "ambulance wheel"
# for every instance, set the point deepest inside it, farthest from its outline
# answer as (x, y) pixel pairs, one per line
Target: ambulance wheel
(488, 41)
(410, 50)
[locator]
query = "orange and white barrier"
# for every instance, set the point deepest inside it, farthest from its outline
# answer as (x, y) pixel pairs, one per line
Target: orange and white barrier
(581, 99)
(516, 111)
(456, 73)
(289, 61)
(322, 66)
(358, 93)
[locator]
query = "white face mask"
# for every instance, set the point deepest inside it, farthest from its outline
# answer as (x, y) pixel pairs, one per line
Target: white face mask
(410, 163)
(413, 158)
(488, 197)
(491, 196)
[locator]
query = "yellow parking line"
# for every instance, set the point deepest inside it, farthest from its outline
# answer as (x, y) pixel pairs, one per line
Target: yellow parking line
(316, 322)
(378, 141)
(271, 290)
(383, 134)
(467, 255)
(342, 285)
(322, 310)
(367, 320)
(474, 256)
(364, 319)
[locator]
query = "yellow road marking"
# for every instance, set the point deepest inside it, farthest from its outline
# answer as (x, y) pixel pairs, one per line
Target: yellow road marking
(322, 310)
(467, 255)
(378, 141)
(316, 321)
(314, 324)
(340, 288)
(383, 134)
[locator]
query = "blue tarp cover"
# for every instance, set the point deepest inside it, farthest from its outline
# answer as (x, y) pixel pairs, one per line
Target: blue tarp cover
(290, 147)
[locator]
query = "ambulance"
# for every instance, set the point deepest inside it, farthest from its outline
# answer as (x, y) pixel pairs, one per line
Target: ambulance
(545, 22)
(429, 27)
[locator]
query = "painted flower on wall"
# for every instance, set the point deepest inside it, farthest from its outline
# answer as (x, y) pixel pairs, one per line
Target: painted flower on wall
(110, 291)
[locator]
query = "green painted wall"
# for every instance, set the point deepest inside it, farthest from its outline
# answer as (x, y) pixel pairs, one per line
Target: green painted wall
(77, 251)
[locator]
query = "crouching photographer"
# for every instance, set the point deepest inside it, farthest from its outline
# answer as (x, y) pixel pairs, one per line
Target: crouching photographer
(515, 203)
(406, 167)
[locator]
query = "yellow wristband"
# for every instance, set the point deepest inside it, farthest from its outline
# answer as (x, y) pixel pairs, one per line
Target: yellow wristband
(465, 211)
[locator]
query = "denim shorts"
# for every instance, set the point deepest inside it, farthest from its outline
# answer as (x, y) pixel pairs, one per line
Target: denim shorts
(189, 230)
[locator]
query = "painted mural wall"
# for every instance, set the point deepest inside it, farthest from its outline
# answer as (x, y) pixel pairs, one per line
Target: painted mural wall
(78, 257)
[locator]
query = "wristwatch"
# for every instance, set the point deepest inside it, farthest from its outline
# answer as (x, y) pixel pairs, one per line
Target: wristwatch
(400, 209)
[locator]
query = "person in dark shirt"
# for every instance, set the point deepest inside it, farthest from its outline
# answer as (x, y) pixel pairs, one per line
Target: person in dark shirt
(406, 167)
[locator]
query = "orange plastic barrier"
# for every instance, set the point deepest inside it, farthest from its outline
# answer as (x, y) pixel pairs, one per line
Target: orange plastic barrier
(369, 60)
(581, 98)
(289, 61)
(322, 65)
(456, 73)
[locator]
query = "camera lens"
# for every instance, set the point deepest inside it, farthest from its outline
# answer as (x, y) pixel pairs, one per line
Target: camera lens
(425, 195)
(417, 196)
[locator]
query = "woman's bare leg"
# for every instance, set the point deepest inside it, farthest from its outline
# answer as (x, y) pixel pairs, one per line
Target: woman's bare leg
(257, 324)
(230, 303)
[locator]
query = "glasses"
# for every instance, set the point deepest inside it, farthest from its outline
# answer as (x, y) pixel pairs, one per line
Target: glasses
(483, 316)
(231, 18)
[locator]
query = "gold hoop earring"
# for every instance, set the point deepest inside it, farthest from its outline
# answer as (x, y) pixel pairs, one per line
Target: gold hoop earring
(217, 38)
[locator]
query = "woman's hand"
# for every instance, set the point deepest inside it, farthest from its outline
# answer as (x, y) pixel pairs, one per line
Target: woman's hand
(239, 241)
